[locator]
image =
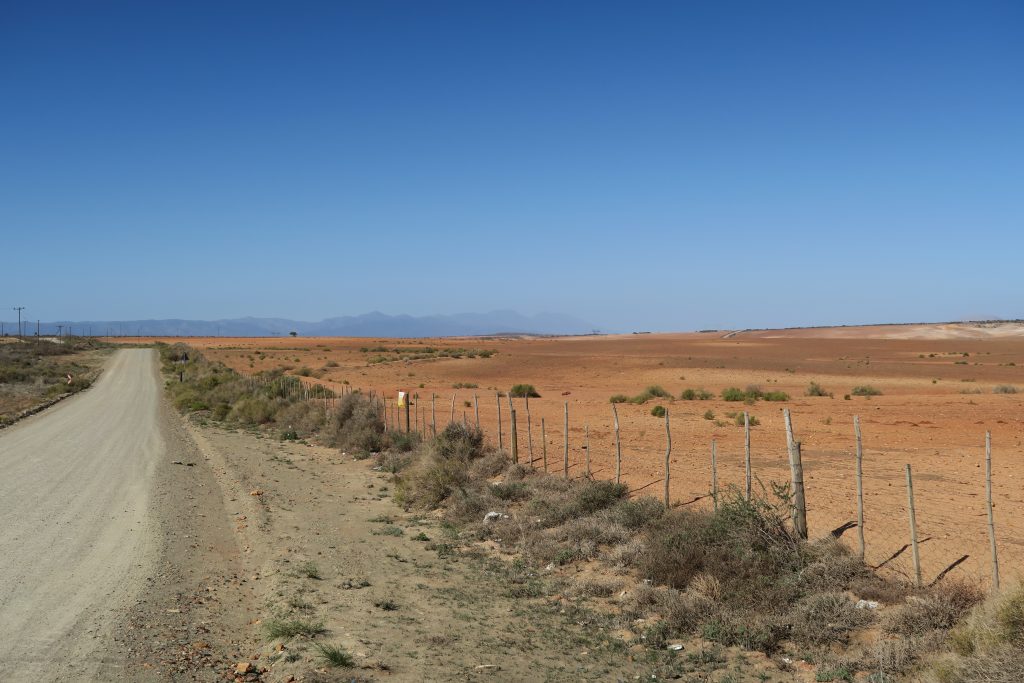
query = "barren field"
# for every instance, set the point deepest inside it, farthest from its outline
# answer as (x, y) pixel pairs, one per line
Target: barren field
(937, 400)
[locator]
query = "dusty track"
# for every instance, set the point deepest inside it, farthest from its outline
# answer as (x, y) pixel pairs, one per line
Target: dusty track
(74, 545)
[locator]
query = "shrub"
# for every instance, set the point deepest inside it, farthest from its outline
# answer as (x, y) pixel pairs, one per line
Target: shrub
(815, 389)
(304, 371)
(826, 618)
(740, 421)
(775, 396)
(289, 628)
(940, 610)
(619, 398)
(1004, 389)
(733, 394)
(653, 391)
(866, 390)
(457, 440)
(745, 545)
(658, 411)
(523, 391)
(696, 395)
(356, 426)
(709, 414)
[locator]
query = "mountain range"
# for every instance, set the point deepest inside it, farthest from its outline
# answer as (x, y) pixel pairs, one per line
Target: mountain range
(373, 324)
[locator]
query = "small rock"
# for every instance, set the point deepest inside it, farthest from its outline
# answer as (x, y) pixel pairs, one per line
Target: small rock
(244, 668)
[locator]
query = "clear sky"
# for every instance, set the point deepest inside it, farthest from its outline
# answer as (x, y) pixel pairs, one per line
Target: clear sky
(662, 166)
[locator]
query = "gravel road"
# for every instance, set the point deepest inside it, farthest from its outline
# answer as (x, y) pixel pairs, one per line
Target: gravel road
(77, 539)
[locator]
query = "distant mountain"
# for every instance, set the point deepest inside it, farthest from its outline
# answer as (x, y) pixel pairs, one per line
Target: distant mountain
(373, 324)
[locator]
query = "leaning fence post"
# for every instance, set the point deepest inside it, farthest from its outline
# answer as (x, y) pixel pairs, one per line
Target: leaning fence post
(515, 439)
(746, 447)
(913, 528)
(714, 472)
(860, 485)
(799, 500)
(991, 518)
(544, 444)
(501, 445)
(565, 448)
(668, 452)
(618, 447)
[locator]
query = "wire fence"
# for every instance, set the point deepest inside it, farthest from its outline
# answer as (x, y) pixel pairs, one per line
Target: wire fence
(899, 516)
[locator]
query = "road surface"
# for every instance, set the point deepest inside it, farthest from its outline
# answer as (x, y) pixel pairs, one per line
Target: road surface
(76, 539)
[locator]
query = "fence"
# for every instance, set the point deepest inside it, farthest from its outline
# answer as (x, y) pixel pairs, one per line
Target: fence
(888, 533)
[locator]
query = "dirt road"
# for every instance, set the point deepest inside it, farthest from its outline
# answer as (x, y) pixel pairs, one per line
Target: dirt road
(76, 543)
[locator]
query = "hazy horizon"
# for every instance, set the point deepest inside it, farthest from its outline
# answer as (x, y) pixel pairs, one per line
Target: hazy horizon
(658, 167)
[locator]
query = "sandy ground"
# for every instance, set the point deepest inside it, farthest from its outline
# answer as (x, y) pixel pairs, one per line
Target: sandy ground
(937, 403)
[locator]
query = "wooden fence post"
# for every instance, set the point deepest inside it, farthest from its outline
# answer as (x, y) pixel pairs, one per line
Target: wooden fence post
(476, 410)
(714, 472)
(586, 445)
(501, 445)
(618, 447)
(860, 485)
(453, 407)
(668, 452)
(799, 500)
(746, 447)
(433, 415)
(408, 402)
(515, 439)
(991, 517)
(529, 429)
(384, 400)
(544, 444)
(565, 449)
(913, 528)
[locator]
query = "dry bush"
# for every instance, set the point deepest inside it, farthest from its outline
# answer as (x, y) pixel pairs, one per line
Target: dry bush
(594, 587)
(831, 564)
(826, 618)
(635, 513)
(682, 613)
(355, 426)
(751, 631)
(939, 610)
(253, 410)
(745, 545)
(579, 498)
(625, 555)
(303, 417)
(594, 529)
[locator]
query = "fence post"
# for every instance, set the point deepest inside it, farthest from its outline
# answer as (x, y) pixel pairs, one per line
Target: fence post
(746, 447)
(618, 447)
(565, 448)
(799, 500)
(714, 472)
(668, 452)
(860, 485)
(529, 428)
(384, 407)
(476, 410)
(408, 401)
(586, 445)
(991, 518)
(544, 444)
(913, 528)
(515, 439)
(452, 419)
(433, 415)
(501, 445)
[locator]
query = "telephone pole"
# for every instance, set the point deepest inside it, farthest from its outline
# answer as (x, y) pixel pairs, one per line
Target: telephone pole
(19, 309)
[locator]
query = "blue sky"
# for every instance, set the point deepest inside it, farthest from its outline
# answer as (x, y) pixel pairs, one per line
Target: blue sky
(663, 166)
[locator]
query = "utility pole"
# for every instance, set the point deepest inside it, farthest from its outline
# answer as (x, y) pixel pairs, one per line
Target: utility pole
(37, 329)
(19, 309)
(59, 328)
